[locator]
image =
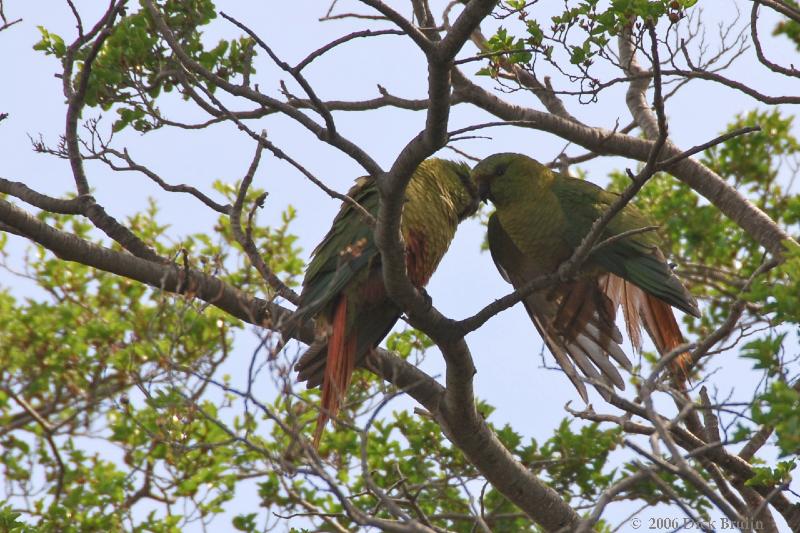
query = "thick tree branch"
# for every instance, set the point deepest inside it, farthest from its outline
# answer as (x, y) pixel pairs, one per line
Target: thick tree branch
(82, 205)
(434, 136)
(76, 97)
(73, 206)
(165, 276)
(455, 409)
(635, 95)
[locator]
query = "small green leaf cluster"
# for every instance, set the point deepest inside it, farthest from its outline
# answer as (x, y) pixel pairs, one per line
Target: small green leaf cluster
(597, 24)
(780, 298)
(505, 45)
(134, 66)
(9, 521)
(767, 476)
(779, 405)
(575, 460)
(788, 27)
(779, 408)
(408, 341)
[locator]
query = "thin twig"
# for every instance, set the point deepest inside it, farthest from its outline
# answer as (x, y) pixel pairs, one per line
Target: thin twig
(341, 40)
(318, 105)
(245, 240)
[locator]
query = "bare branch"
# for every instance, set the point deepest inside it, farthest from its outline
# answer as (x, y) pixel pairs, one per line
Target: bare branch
(784, 9)
(245, 240)
(317, 104)
(134, 166)
(333, 138)
(733, 84)
(48, 434)
(705, 146)
(341, 40)
(404, 24)
(77, 96)
(7, 24)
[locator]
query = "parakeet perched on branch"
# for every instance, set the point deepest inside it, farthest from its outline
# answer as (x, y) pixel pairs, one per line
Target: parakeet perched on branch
(343, 288)
(541, 217)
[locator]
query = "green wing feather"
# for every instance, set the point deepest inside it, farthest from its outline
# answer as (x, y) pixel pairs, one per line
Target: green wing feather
(502, 248)
(331, 268)
(589, 347)
(636, 258)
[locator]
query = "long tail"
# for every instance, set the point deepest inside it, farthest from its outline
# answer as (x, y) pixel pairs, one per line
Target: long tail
(643, 309)
(339, 366)
(577, 324)
(660, 323)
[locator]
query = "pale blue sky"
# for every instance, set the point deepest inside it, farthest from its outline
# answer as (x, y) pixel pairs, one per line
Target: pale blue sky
(506, 350)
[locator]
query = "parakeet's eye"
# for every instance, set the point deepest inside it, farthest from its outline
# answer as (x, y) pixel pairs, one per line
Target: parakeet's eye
(500, 169)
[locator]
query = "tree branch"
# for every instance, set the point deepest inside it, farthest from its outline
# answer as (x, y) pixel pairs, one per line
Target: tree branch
(245, 240)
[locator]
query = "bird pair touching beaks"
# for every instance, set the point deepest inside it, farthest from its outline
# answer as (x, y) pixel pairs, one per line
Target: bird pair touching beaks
(540, 217)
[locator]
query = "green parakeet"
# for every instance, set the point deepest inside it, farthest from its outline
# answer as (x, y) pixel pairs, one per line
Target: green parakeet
(541, 217)
(343, 287)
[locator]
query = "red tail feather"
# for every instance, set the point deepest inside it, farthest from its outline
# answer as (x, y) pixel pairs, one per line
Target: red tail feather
(339, 368)
(663, 328)
(641, 308)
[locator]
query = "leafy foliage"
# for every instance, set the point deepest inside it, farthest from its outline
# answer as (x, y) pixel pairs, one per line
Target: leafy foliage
(133, 66)
(719, 258)
(596, 24)
(101, 357)
(788, 27)
(752, 163)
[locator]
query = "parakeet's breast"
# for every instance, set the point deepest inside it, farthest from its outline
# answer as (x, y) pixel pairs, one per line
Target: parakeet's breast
(537, 229)
(435, 197)
(427, 228)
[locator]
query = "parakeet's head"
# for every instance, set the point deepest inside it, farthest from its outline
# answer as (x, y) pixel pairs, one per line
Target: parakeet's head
(446, 184)
(468, 196)
(502, 178)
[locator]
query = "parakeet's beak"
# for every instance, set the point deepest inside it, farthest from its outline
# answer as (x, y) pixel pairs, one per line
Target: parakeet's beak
(483, 189)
